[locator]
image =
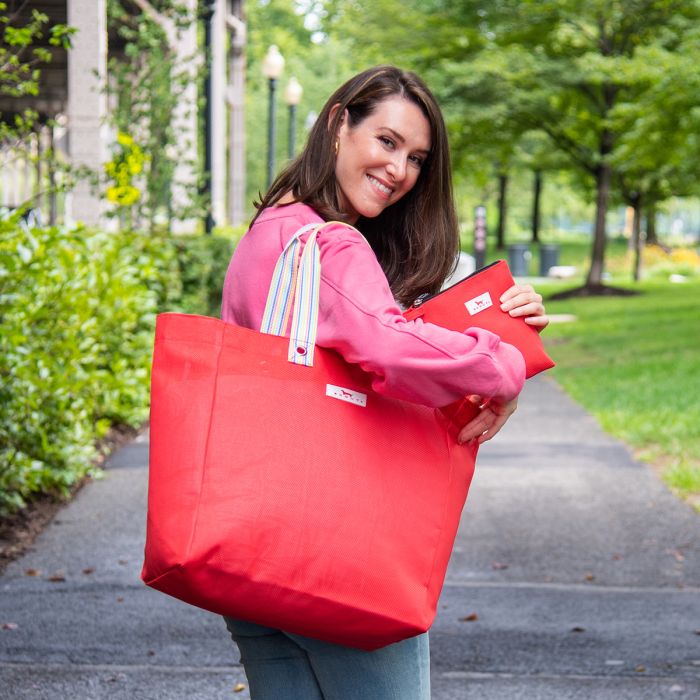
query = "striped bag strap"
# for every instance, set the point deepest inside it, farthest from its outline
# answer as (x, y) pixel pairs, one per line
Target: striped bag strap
(302, 339)
(297, 278)
(281, 293)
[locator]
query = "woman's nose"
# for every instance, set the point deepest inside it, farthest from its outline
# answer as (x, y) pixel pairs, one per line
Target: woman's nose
(397, 167)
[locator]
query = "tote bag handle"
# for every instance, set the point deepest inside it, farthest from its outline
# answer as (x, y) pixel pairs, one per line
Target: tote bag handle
(297, 278)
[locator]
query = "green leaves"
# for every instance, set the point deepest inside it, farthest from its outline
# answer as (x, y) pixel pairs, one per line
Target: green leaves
(60, 35)
(18, 67)
(77, 311)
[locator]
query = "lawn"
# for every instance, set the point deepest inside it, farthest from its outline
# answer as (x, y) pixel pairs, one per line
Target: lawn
(634, 363)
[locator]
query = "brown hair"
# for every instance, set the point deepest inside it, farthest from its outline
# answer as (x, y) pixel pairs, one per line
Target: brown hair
(415, 240)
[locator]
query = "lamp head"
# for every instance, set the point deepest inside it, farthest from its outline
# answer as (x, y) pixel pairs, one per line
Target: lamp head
(273, 63)
(293, 92)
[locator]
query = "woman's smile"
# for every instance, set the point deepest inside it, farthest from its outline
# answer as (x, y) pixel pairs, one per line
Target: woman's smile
(383, 188)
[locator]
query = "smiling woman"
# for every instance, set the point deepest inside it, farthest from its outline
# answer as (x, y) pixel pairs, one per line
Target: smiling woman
(377, 158)
(415, 236)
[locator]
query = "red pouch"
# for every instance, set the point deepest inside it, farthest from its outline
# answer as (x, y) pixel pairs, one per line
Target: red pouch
(474, 301)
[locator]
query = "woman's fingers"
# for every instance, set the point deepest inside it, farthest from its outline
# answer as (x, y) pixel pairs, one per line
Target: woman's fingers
(515, 290)
(491, 419)
(539, 322)
(495, 428)
(521, 300)
(474, 428)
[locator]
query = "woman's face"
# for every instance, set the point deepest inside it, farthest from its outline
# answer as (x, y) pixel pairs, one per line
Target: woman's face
(379, 160)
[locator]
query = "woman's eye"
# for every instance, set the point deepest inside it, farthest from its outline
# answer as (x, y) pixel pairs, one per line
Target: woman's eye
(417, 161)
(386, 141)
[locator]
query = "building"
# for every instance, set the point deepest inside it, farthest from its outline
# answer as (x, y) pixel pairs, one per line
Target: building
(72, 94)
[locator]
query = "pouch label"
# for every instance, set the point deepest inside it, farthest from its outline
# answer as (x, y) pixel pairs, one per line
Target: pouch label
(339, 392)
(478, 304)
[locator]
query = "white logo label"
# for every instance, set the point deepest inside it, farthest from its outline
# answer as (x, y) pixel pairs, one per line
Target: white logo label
(477, 304)
(338, 392)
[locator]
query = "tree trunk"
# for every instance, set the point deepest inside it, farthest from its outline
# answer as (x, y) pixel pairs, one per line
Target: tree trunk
(603, 178)
(536, 197)
(637, 237)
(651, 237)
(502, 211)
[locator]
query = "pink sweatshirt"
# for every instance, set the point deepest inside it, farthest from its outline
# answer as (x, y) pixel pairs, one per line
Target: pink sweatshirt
(359, 318)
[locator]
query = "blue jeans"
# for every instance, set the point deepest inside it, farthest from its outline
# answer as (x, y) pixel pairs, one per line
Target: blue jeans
(282, 666)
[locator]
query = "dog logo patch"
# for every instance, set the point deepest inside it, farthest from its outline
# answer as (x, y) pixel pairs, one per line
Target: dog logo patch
(339, 392)
(478, 304)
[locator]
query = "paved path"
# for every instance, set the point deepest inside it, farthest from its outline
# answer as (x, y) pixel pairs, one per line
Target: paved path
(583, 572)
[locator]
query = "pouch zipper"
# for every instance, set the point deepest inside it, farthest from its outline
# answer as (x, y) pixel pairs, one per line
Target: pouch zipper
(419, 301)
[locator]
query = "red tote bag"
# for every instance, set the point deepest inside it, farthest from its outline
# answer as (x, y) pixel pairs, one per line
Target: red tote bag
(474, 301)
(283, 490)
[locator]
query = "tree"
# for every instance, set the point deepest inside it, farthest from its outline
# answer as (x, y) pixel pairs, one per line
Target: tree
(658, 150)
(585, 60)
(557, 66)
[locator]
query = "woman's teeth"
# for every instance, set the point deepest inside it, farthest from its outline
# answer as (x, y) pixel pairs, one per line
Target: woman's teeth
(379, 185)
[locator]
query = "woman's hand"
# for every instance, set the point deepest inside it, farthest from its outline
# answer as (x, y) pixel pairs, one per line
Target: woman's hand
(523, 300)
(492, 417)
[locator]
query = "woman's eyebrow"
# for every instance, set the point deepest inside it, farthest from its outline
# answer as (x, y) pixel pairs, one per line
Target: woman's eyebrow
(396, 134)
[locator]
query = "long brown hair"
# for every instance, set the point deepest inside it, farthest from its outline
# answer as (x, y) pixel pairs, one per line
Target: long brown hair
(415, 240)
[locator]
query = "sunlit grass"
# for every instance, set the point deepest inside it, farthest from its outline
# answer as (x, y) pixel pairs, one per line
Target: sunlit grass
(634, 362)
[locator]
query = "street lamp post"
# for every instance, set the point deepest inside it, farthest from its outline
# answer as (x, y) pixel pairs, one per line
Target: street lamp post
(272, 66)
(292, 96)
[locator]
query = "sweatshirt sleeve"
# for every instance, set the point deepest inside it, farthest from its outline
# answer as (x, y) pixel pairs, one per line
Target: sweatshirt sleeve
(410, 360)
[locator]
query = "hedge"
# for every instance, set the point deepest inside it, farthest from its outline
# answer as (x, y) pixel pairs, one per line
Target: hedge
(202, 263)
(77, 310)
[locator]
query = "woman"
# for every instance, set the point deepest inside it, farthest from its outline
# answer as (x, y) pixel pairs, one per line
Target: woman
(378, 159)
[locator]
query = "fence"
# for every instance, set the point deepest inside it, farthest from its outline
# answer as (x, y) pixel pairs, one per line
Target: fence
(31, 175)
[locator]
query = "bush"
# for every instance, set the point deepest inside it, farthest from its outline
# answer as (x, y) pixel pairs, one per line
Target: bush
(662, 263)
(77, 310)
(202, 262)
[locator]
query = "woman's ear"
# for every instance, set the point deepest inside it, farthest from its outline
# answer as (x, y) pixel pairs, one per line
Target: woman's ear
(332, 115)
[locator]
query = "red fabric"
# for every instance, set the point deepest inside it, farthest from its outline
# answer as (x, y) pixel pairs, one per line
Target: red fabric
(449, 309)
(272, 502)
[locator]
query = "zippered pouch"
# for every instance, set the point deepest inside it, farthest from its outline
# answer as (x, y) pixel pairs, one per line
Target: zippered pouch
(474, 301)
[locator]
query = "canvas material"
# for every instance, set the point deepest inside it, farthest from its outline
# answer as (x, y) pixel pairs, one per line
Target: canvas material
(274, 500)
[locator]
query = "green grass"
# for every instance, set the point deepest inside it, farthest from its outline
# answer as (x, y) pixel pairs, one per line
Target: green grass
(634, 363)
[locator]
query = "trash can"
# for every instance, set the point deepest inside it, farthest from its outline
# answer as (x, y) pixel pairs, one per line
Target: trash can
(518, 259)
(549, 257)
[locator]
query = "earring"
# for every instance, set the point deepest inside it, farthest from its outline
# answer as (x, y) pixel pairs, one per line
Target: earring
(337, 146)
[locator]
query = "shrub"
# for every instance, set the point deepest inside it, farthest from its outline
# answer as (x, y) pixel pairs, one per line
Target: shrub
(202, 262)
(657, 262)
(77, 310)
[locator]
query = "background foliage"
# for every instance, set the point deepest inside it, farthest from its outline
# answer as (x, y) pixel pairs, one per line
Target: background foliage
(320, 65)
(77, 310)
(21, 60)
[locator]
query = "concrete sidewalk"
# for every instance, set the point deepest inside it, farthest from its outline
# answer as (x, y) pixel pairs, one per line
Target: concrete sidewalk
(582, 571)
